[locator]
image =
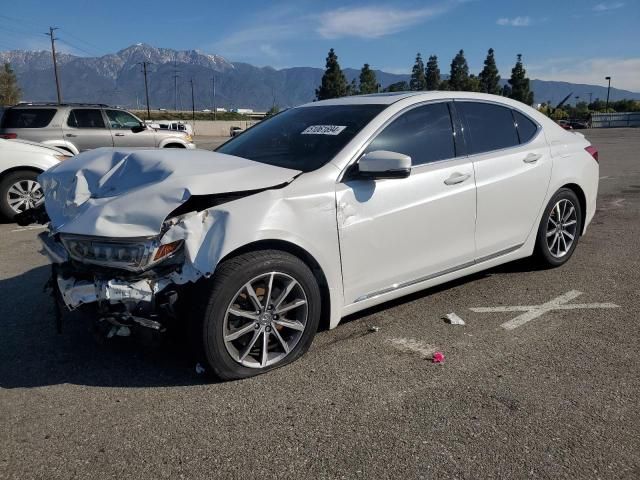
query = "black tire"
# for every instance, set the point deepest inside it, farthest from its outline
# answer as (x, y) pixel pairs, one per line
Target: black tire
(554, 255)
(215, 296)
(5, 184)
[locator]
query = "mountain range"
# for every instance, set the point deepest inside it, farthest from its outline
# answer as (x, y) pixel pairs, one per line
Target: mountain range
(117, 79)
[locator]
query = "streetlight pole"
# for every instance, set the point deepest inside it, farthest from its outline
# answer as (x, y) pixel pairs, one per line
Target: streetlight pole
(608, 89)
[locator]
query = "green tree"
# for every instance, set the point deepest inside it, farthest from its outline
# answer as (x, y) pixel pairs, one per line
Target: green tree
(352, 88)
(459, 75)
(368, 82)
(489, 78)
(506, 91)
(520, 83)
(397, 87)
(432, 73)
(418, 80)
(473, 84)
(334, 84)
(273, 110)
(9, 90)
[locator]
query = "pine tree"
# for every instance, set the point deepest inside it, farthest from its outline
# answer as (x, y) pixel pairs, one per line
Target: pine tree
(473, 84)
(352, 89)
(334, 84)
(368, 82)
(489, 78)
(9, 91)
(433, 73)
(418, 80)
(459, 76)
(520, 83)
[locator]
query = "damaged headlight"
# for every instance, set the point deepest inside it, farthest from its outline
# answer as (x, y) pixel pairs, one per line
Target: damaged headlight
(134, 255)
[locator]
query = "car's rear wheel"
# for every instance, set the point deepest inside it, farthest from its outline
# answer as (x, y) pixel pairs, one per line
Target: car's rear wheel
(19, 191)
(559, 229)
(261, 313)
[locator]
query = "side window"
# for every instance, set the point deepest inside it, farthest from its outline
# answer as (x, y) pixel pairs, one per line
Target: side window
(86, 118)
(489, 126)
(424, 133)
(122, 120)
(526, 128)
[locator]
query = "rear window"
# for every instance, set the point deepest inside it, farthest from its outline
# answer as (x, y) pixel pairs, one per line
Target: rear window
(27, 117)
(86, 118)
(303, 138)
(490, 126)
(526, 128)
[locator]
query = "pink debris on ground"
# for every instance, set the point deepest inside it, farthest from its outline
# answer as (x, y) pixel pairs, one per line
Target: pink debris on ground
(438, 357)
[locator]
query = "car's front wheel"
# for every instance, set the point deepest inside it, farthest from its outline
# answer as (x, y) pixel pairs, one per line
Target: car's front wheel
(559, 229)
(19, 191)
(261, 312)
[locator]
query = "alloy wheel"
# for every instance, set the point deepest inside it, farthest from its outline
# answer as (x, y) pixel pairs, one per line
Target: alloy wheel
(24, 194)
(265, 320)
(561, 228)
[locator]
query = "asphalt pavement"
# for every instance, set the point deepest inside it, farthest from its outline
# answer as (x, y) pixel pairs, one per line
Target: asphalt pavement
(556, 397)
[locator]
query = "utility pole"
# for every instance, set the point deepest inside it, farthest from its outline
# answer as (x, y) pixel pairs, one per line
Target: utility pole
(193, 104)
(175, 86)
(55, 61)
(146, 87)
(213, 81)
(590, 98)
(608, 89)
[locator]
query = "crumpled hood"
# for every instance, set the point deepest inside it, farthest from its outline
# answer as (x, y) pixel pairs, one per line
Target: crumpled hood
(129, 192)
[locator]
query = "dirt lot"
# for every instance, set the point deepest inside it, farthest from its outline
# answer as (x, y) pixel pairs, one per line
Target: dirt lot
(554, 398)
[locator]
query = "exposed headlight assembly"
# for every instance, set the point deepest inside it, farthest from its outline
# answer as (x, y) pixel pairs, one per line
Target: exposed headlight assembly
(134, 255)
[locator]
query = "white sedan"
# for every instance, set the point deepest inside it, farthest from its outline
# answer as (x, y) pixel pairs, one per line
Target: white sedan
(319, 212)
(20, 164)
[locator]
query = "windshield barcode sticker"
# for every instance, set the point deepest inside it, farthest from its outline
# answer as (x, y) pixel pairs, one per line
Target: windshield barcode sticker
(323, 129)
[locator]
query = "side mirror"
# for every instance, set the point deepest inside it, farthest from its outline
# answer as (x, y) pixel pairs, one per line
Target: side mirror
(384, 164)
(138, 129)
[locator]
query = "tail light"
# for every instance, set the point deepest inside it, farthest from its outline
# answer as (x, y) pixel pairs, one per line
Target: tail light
(593, 151)
(8, 136)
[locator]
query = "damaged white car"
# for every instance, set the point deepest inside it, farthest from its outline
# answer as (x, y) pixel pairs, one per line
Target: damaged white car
(316, 213)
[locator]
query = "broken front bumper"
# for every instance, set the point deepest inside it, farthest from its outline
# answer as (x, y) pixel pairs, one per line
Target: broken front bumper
(121, 298)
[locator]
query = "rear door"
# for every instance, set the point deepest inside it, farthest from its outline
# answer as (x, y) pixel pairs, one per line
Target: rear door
(86, 129)
(512, 166)
(121, 124)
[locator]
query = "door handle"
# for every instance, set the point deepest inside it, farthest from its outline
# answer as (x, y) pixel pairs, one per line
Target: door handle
(456, 178)
(532, 158)
(119, 134)
(71, 135)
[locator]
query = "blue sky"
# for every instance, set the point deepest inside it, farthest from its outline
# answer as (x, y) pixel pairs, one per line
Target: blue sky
(574, 40)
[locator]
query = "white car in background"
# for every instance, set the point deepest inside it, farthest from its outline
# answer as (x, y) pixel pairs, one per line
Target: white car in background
(21, 162)
(313, 214)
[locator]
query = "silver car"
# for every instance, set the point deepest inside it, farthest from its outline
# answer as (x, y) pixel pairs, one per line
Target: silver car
(79, 127)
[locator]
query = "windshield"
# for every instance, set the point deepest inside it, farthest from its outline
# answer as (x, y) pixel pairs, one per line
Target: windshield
(304, 138)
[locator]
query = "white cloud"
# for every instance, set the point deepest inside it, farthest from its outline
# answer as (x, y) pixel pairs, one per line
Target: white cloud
(604, 7)
(624, 71)
(372, 22)
(514, 22)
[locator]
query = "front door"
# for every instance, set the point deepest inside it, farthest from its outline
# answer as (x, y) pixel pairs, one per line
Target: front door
(396, 232)
(85, 128)
(121, 124)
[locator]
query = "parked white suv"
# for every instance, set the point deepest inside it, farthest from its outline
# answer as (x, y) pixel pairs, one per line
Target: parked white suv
(20, 164)
(316, 213)
(80, 127)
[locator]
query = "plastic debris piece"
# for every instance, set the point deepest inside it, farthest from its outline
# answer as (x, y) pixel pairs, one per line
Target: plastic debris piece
(200, 369)
(453, 319)
(123, 331)
(374, 328)
(438, 357)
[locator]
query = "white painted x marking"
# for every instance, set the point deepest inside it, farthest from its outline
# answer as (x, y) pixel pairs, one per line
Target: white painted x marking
(535, 311)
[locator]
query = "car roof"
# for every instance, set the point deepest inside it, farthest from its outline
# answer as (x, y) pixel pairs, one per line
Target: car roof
(419, 96)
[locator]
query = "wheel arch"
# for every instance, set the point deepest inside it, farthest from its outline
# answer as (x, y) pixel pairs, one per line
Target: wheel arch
(582, 198)
(302, 254)
(20, 168)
